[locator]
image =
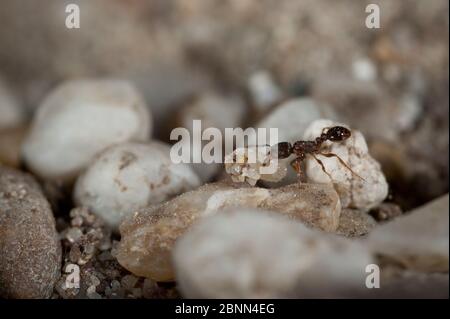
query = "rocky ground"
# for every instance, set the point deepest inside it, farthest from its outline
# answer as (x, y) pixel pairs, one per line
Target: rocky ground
(101, 198)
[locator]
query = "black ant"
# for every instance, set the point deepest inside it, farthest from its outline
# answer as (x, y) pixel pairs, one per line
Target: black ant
(302, 148)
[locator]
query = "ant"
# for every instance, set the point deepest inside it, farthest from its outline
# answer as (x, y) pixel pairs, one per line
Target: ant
(302, 148)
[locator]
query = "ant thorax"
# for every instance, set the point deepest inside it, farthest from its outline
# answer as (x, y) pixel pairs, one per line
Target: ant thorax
(305, 147)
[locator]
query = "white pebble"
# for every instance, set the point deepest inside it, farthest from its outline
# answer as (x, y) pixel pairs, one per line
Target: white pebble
(256, 254)
(409, 111)
(263, 90)
(364, 70)
(127, 177)
(80, 118)
(364, 191)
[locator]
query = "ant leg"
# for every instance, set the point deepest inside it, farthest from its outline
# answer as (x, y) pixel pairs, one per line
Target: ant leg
(296, 165)
(321, 165)
(342, 162)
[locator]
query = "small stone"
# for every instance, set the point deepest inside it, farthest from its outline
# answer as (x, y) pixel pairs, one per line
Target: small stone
(74, 234)
(418, 240)
(77, 221)
(83, 242)
(92, 294)
(95, 281)
(115, 285)
(148, 236)
(409, 110)
(87, 253)
(130, 176)
(364, 70)
(355, 223)
(29, 247)
(75, 253)
(257, 254)
(88, 116)
(363, 189)
(90, 290)
(263, 90)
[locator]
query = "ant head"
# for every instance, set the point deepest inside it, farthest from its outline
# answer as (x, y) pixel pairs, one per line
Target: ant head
(338, 133)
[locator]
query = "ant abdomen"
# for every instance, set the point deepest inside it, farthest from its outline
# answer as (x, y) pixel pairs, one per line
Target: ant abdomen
(284, 149)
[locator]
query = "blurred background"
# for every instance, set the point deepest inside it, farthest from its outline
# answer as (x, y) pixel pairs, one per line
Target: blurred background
(391, 83)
